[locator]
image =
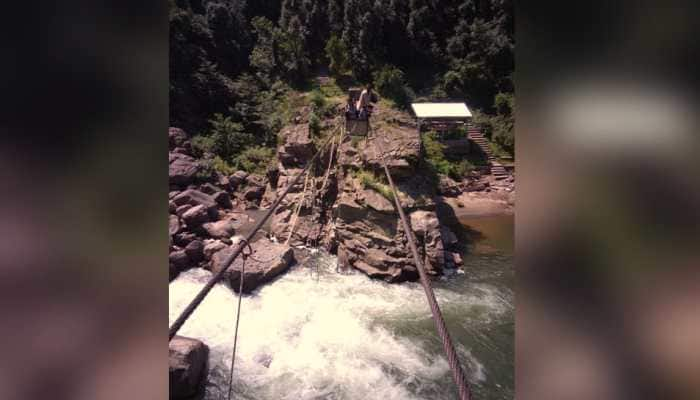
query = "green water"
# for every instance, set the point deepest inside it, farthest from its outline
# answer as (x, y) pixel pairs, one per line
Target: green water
(480, 315)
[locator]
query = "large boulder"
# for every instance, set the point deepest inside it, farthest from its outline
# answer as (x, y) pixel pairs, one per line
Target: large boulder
(195, 250)
(182, 169)
(238, 178)
(173, 225)
(188, 364)
(426, 227)
(211, 247)
(178, 262)
(268, 260)
(253, 192)
(399, 148)
(196, 216)
(378, 264)
(220, 229)
(298, 147)
(223, 199)
(194, 197)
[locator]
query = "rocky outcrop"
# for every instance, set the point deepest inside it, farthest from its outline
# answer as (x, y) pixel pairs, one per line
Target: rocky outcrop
(426, 228)
(182, 169)
(297, 147)
(369, 235)
(266, 262)
(400, 148)
(348, 212)
(188, 364)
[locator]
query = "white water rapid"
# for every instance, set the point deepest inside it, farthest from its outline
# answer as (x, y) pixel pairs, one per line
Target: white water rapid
(317, 334)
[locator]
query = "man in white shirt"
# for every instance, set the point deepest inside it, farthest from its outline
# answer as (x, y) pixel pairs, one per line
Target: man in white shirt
(364, 100)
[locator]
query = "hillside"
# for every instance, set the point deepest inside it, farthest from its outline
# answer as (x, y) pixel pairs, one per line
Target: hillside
(237, 66)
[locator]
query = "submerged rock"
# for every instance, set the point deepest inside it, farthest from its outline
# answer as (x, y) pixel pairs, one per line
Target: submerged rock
(188, 364)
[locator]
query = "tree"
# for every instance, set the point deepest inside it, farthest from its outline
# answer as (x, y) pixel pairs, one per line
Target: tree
(228, 137)
(337, 53)
(390, 83)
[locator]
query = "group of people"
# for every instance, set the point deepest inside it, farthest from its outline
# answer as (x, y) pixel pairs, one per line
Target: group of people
(362, 108)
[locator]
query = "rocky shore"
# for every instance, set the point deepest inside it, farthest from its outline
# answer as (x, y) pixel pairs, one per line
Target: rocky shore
(347, 210)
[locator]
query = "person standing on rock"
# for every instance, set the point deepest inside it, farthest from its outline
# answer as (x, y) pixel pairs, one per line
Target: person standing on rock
(363, 102)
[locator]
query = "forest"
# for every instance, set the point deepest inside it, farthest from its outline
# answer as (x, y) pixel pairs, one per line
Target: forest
(232, 62)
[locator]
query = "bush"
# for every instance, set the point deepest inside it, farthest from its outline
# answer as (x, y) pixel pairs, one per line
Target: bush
(314, 123)
(317, 100)
(337, 53)
(435, 156)
(499, 128)
(227, 138)
(202, 145)
(255, 160)
(368, 180)
(391, 83)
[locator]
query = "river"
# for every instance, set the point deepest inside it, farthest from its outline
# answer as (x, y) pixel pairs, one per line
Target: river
(317, 334)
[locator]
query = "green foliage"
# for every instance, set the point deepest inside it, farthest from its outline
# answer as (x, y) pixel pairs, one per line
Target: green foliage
(317, 100)
(370, 181)
(391, 83)
(279, 53)
(202, 145)
(208, 47)
(227, 137)
(314, 123)
(235, 57)
(337, 54)
(210, 164)
(435, 157)
(499, 127)
(331, 89)
(255, 159)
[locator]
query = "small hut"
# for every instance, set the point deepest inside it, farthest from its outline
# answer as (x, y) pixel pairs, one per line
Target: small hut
(445, 118)
(441, 117)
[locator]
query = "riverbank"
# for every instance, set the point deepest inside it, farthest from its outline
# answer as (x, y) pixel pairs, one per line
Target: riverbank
(481, 204)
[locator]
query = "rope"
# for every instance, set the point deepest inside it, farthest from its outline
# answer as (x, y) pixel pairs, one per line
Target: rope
(330, 158)
(448, 347)
(296, 212)
(182, 318)
(238, 313)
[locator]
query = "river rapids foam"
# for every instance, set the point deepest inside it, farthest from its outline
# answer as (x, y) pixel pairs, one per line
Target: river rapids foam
(317, 334)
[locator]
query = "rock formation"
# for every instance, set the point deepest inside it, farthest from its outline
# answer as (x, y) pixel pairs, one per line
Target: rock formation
(349, 209)
(188, 363)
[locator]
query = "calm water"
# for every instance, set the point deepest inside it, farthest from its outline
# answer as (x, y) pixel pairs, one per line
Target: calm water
(317, 334)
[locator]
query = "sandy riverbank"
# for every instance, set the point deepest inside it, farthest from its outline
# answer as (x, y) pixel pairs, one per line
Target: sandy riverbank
(482, 204)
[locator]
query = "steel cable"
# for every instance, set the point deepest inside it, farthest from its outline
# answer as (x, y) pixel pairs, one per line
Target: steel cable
(455, 367)
(197, 300)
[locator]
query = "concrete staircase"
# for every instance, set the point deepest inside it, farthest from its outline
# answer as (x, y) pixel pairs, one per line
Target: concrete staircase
(497, 169)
